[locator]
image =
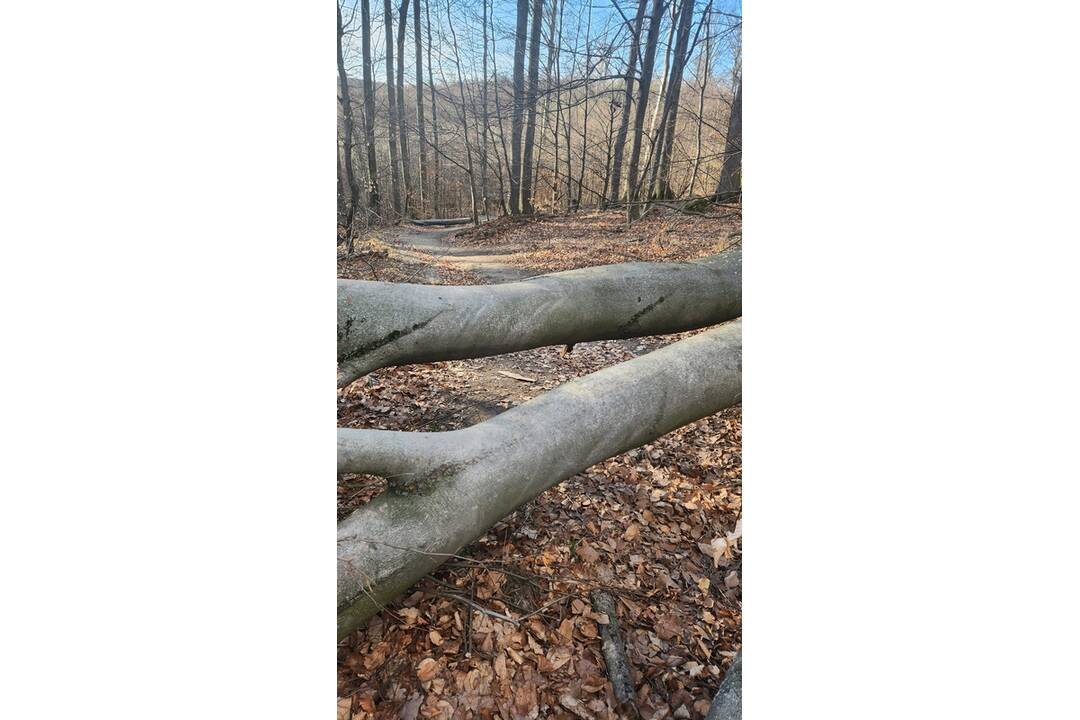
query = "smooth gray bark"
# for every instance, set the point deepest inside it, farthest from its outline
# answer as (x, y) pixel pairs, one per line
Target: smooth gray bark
(422, 143)
(727, 703)
(382, 324)
(369, 107)
(441, 222)
(518, 108)
(464, 122)
(661, 165)
(391, 99)
(628, 98)
(403, 135)
(730, 185)
(347, 134)
(530, 108)
(434, 119)
(644, 83)
(446, 489)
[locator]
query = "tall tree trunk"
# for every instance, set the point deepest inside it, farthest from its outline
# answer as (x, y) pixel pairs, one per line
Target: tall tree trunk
(481, 148)
(557, 126)
(485, 123)
(661, 170)
(542, 135)
(403, 135)
(530, 101)
(612, 107)
(556, 34)
(434, 120)
(730, 185)
(464, 123)
(422, 142)
(342, 193)
(347, 122)
(644, 83)
(391, 93)
(518, 109)
(505, 162)
(703, 82)
(627, 101)
(667, 70)
(585, 109)
(369, 107)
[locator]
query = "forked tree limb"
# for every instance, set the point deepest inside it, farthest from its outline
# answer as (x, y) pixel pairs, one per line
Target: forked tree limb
(383, 324)
(446, 489)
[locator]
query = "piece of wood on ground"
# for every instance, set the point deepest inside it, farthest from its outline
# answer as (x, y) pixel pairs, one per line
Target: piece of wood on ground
(618, 667)
(515, 376)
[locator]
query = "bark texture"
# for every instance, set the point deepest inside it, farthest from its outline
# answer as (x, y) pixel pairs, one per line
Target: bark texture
(627, 101)
(730, 185)
(403, 135)
(644, 83)
(518, 109)
(727, 703)
(392, 104)
(369, 107)
(421, 146)
(382, 324)
(530, 108)
(446, 489)
(618, 665)
(347, 132)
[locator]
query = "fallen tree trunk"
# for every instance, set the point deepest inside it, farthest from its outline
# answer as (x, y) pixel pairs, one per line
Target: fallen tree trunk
(446, 489)
(442, 222)
(382, 324)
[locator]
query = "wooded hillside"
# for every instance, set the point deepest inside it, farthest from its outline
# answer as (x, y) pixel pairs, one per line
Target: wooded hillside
(459, 109)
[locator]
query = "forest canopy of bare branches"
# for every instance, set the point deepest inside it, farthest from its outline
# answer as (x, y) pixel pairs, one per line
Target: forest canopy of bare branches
(450, 108)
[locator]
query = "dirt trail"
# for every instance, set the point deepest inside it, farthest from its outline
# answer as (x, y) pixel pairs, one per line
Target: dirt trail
(488, 262)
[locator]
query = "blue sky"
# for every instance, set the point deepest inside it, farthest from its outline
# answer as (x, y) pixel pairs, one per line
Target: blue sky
(466, 24)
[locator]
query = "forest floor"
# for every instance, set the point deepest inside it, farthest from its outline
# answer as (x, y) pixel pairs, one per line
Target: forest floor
(508, 629)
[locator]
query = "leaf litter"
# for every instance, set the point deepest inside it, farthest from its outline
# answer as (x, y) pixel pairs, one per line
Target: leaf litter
(508, 631)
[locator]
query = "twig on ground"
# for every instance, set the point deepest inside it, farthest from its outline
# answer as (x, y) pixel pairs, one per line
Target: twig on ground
(480, 608)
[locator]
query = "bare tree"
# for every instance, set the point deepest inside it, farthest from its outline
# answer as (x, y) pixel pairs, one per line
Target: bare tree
(464, 123)
(585, 108)
(579, 128)
(484, 121)
(628, 98)
(703, 83)
(388, 22)
(530, 101)
(434, 119)
(730, 185)
(665, 135)
(403, 135)
(422, 144)
(518, 110)
(668, 47)
(644, 82)
(369, 106)
(346, 136)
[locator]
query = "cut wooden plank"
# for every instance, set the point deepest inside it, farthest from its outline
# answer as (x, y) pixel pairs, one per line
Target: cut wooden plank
(515, 376)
